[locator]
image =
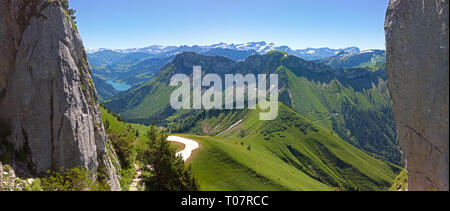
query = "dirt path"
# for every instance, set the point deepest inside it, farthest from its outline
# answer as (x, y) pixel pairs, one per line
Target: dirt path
(190, 146)
(137, 179)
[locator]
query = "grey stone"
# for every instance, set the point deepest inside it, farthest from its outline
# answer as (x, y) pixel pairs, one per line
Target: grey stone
(417, 71)
(49, 99)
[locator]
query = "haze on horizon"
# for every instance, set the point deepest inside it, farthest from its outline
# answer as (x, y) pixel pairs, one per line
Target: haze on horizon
(124, 24)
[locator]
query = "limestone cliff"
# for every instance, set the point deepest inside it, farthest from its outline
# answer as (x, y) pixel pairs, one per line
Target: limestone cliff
(47, 98)
(417, 66)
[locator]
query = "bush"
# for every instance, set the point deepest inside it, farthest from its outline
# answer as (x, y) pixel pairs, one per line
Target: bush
(70, 12)
(36, 185)
(127, 176)
(242, 133)
(75, 179)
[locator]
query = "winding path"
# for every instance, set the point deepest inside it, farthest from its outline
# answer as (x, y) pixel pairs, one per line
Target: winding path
(191, 145)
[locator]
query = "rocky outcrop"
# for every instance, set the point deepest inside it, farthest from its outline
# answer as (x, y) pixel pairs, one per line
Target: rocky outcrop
(417, 65)
(47, 97)
(9, 181)
(7, 177)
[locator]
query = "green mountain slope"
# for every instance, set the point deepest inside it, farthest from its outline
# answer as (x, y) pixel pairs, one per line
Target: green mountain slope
(354, 103)
(289, 153)
(360, 115)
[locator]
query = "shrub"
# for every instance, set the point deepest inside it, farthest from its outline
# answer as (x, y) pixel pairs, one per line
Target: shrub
(70, 11)
(36, 185)
(75, 179)
(242, 133)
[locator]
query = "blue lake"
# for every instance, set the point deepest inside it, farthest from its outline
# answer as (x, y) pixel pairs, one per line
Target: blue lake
(119, 86)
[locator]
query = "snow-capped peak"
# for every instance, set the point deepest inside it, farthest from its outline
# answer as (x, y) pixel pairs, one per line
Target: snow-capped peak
(260, 47)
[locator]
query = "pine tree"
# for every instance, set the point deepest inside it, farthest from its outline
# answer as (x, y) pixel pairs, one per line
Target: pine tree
(168, 171)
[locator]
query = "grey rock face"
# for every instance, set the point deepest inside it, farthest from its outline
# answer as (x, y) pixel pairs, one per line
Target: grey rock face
(47, 94)
(417, 66)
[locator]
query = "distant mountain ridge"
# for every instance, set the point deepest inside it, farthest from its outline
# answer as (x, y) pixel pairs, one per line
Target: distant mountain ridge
(257, 47)
(371, 59)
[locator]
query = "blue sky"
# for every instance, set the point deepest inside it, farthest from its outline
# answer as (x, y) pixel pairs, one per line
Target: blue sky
(296, 23)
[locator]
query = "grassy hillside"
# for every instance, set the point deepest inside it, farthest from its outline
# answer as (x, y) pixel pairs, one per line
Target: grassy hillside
(290, 153)
(361, 116)
(210, 123)
(227, 166)
(145, 104)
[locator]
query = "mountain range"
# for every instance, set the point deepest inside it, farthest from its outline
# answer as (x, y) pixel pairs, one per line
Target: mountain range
(136, 66)
(256, 47)
(372, 59)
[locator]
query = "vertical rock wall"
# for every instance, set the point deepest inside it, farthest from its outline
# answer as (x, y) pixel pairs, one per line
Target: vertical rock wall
(417, 69)
(47, 96)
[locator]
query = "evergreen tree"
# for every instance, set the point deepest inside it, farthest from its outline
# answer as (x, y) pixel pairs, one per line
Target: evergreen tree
(167, 171)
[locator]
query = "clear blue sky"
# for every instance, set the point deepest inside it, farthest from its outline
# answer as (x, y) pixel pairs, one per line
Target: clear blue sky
(296, 23)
